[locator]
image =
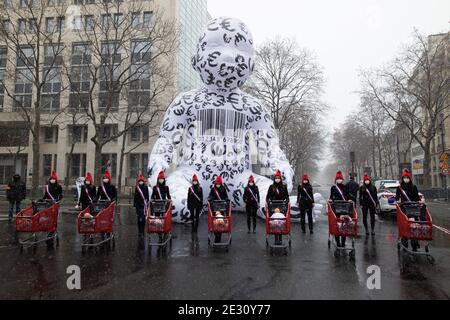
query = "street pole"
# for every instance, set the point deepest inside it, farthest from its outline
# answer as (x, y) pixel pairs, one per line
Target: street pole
(444, 176)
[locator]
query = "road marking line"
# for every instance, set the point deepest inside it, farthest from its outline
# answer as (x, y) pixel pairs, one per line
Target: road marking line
(442, 229)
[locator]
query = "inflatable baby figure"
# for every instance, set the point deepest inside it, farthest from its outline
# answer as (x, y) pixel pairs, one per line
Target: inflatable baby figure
(207, 131)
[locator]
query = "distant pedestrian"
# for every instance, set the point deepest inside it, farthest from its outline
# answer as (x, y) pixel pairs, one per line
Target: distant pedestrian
(88, 192)
(195, 202)
(368, 200)
(352, 189)
(141, 203)
(15, 193)
(305, 200)
(252, 201)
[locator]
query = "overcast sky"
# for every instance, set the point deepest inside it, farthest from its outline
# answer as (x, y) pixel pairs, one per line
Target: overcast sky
(345, 35)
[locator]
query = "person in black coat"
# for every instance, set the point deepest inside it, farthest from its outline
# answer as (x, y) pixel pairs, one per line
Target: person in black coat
(160, 190)
(252, 201)
(141, 203)
(195, 202)
(408, 192)
(305, 201)
(53, 190)
(352, 189)
(368, 200)
(339, 192)
(15, 193)
(278, 192)
(218, 193)
(107, 191)
(88, 192)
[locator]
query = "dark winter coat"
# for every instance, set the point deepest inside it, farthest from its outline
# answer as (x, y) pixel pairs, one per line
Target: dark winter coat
(138, 200)
(249, 199)
(86, 192)
(195, 192)
(410, 189)
(222, 191)
(364, 198)
(352, 190)
(55, 190)
(277, 192)
(110, 190)
(305, 199)
(16, 191)
(335, 195)
(163, 189)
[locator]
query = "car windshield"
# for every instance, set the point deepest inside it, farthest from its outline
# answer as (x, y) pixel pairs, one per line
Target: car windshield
(389, 189)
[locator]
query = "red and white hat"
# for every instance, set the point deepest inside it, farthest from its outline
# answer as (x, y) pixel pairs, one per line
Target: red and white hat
(219, 180)
(339, 175)
(278, 174)
(251, 179)
(89, 178)
(53, 176)
(406, 174)
(107, 175)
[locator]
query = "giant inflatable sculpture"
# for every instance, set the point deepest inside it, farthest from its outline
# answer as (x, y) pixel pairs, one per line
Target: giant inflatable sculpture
(207, 131)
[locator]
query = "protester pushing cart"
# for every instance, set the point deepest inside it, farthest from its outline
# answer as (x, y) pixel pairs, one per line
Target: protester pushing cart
(219, 223)
(415, 225)
(40, 220)
(159, 222)
(278, 224)
(342, 223)
(95, 223)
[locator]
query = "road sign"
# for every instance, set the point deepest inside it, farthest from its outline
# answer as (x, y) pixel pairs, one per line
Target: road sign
(444, 163)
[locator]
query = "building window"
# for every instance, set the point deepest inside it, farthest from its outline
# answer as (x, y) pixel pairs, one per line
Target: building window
(77, 23)
(109, 162)
(106, 21)
(50, 134)
(22, 25)
(23, 88)
(61, 23)
(137, 164)
(139, 134)
(52, 75)
(147, 19)
(77, 163)
(78, 134)
(17, 133)
(109, 131)
(109, 77)
(118, 20)
(5, 25)
(139, 93)
(46, 165)
(89, 23)
(80, 77)
(3, 57)
(50, 24)
(135, 19)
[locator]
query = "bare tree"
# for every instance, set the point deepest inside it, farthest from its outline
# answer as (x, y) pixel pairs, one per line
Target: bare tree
(414, 90)
(126, 65)
(35, 49)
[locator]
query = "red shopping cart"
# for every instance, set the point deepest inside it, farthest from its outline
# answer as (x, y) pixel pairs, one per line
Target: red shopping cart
(40, 217)
(342, 222)
(414, 224)
(219, 223)
(278, 226)
(95, 223)
(159, 222)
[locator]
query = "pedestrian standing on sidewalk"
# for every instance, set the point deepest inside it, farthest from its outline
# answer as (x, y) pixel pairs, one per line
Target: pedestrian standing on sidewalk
(141, 203)
(368, 200)
(88, 192)
(15, 193)
(252, 201)
(339, 192)
(305, 201)
(352, 189)
(195, 202)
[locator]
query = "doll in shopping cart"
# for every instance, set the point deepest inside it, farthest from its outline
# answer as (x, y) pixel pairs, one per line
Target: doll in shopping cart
(407, 192)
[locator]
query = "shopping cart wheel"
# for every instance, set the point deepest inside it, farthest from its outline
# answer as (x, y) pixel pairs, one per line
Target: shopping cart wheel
(351, 255)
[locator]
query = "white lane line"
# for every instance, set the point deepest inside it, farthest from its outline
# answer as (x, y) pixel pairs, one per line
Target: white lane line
(442, 229)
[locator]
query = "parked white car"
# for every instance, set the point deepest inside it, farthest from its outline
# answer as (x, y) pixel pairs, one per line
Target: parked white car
(387, 191)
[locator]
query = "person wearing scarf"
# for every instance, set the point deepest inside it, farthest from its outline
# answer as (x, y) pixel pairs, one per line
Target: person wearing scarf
(305, 200)
(107, 191)
(88, 192)
(161, 191)
(195, 202)
(339, 192)
(53, 190)
(368, 200)
(252, 201)
(141, 203)
(278, 192)
(408, 192)
(218, 193)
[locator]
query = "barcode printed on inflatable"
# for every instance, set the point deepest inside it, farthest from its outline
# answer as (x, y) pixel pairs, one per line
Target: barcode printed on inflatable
(218, 122)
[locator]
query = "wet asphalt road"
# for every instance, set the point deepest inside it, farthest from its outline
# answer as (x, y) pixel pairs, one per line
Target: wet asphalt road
(247, 271)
